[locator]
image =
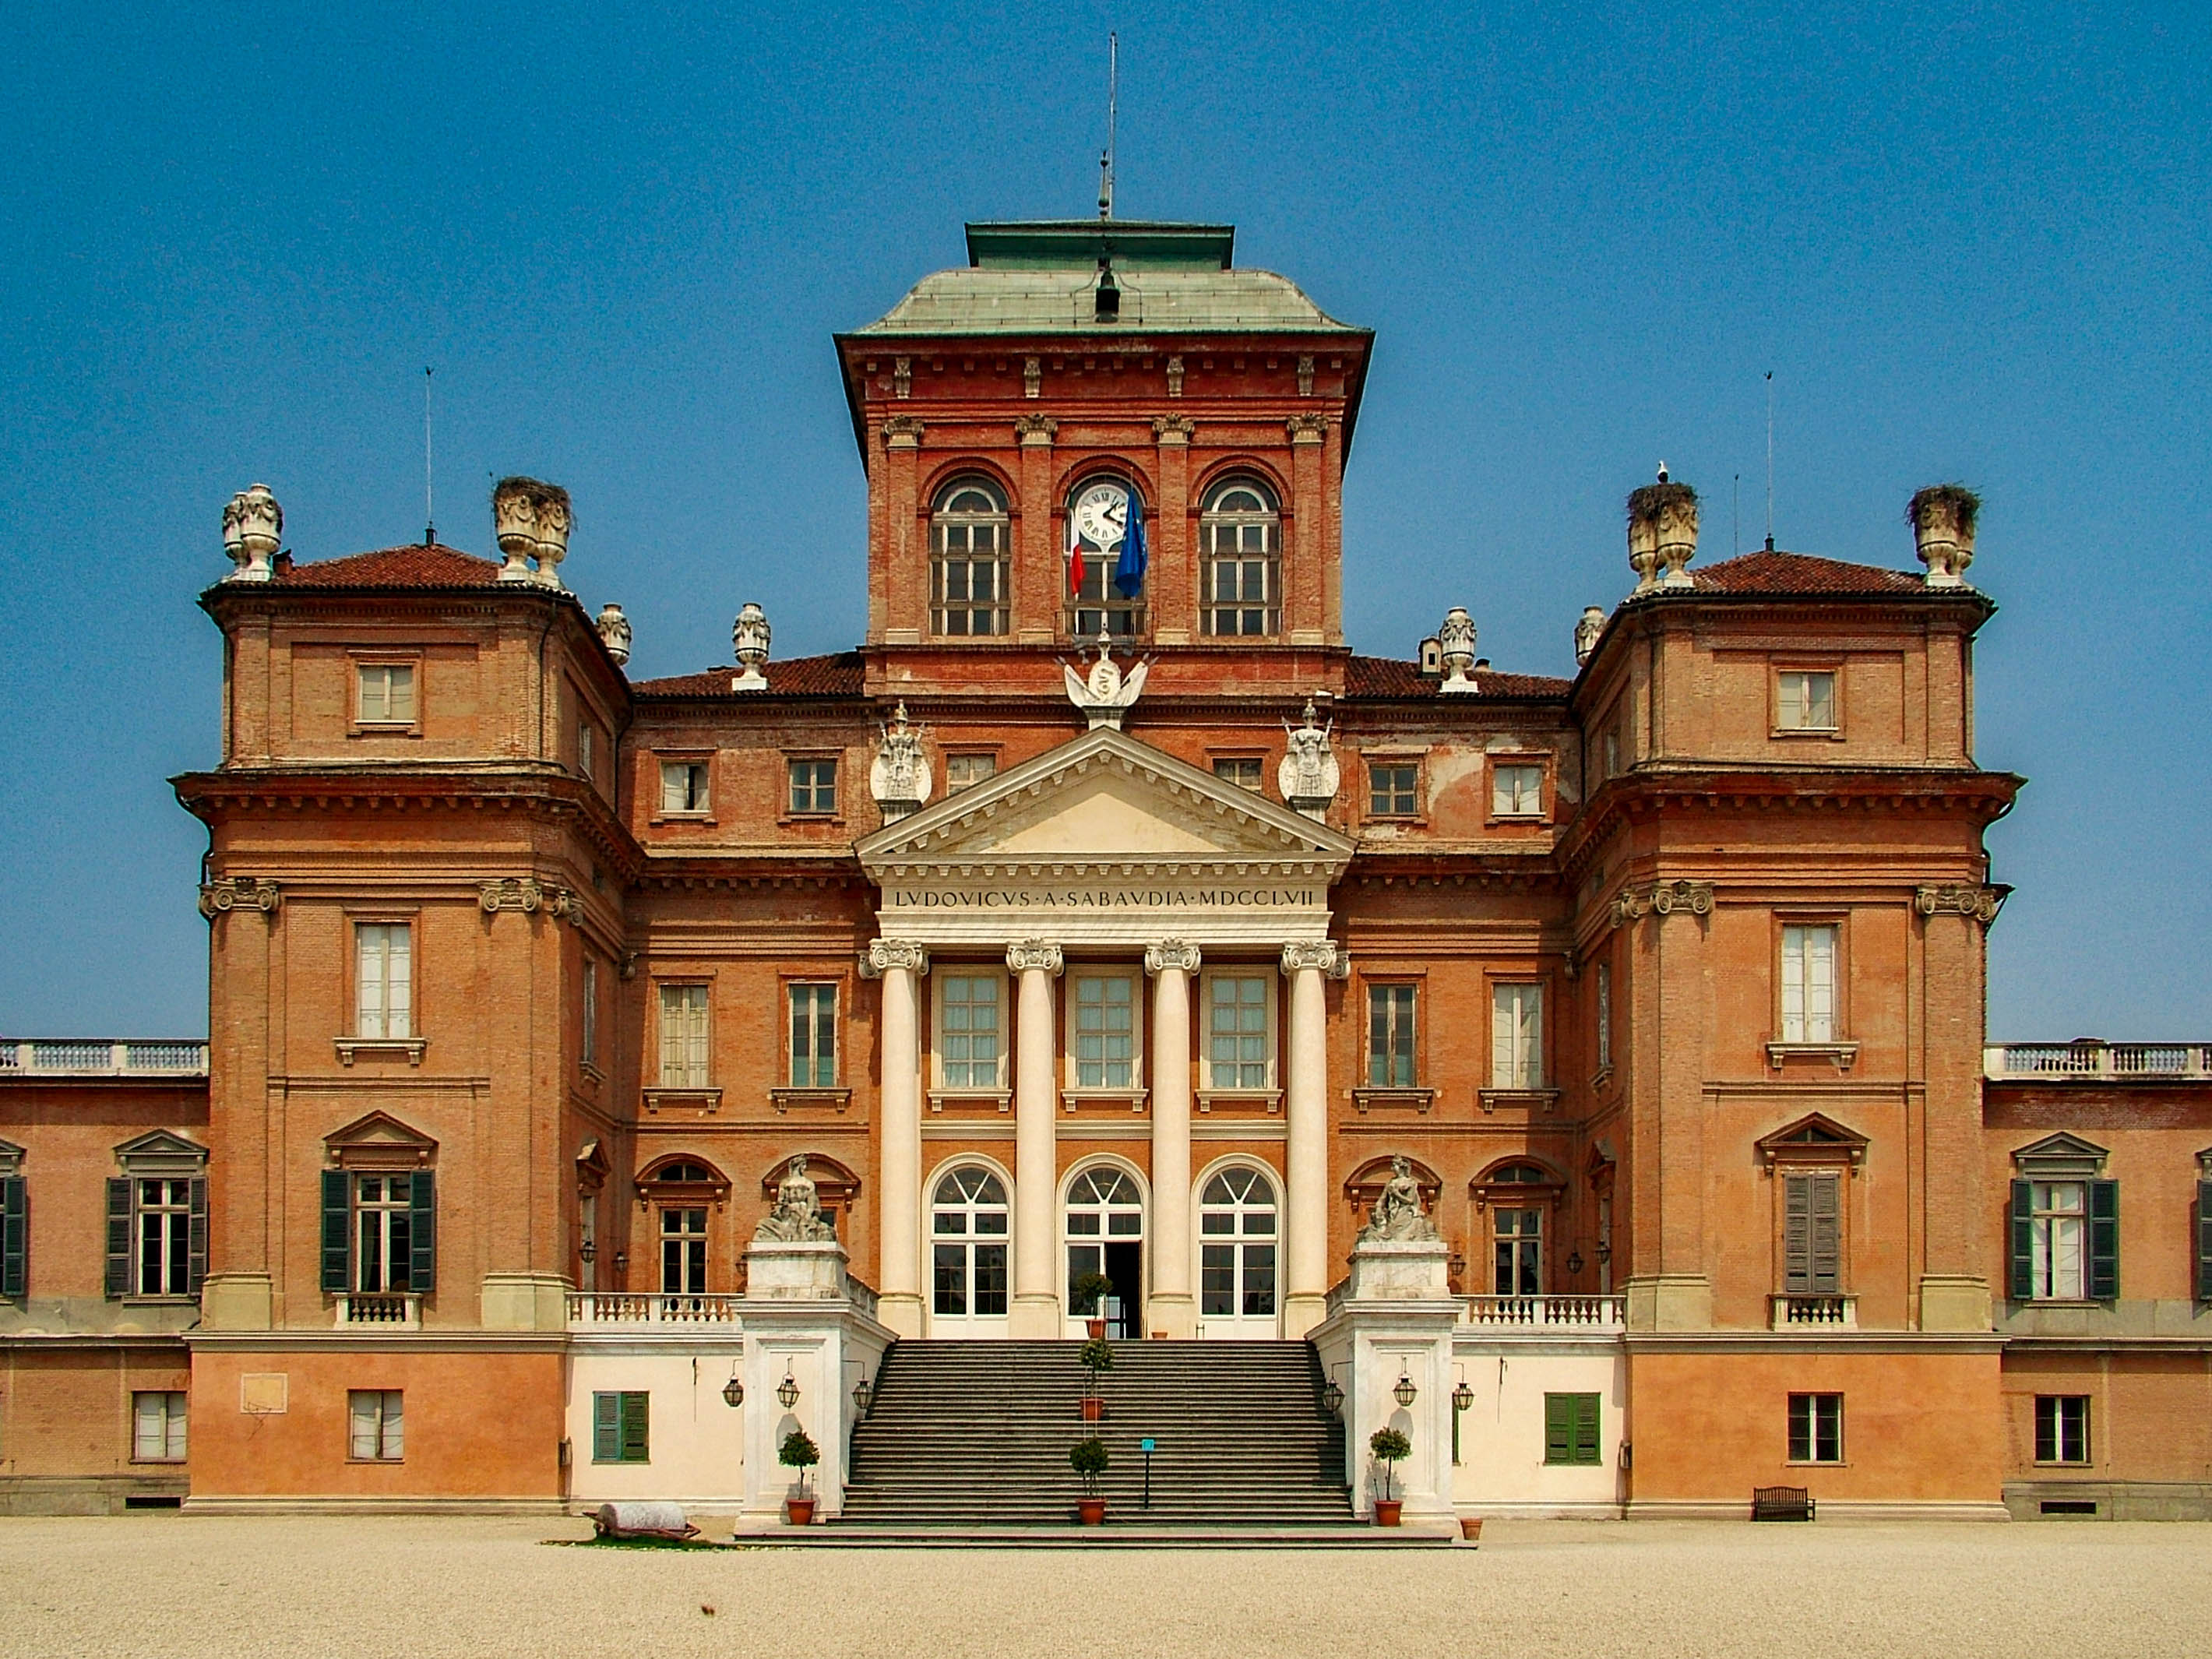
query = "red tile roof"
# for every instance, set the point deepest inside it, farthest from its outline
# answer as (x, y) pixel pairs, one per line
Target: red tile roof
(837, 675)
(413, 566)
(1800, 573)
(1390, 677)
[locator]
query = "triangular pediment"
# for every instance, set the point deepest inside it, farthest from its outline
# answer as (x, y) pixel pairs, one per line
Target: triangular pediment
(2061, 1154)
(1106, 799)
(160, 1149)
(378, 1141)
(1814, 1138)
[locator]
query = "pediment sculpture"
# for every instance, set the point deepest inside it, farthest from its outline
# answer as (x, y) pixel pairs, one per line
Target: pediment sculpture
(899, 776)
(1397, 1215)
(1308, 775)
(1104, 694)
(797, 1217)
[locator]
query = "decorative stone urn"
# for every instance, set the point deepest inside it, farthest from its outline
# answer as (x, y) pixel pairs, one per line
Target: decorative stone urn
(252, 531)
(1943, 518)
(1586, 634)
(1662, 533)
(748, 636)
(615, 632)
(1456, 650)
(531, 520)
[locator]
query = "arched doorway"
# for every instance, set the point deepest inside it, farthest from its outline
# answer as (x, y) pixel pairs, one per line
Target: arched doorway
(1238, 1260)
(970, 1268)
(1105, 1234)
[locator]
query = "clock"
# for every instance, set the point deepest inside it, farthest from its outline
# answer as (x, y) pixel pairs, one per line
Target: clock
(1102, 514)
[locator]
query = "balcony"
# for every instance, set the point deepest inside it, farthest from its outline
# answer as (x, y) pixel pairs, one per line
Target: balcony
(1545, 1313)
(154, 1058)
(603, 1310)
(394, 1310)
(1808, 1313)
(2092, 1058)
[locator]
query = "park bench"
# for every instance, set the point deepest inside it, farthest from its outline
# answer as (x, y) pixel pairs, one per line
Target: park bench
(1781, 1504)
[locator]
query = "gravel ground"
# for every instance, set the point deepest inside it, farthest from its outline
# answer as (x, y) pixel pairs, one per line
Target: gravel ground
(393, 1586)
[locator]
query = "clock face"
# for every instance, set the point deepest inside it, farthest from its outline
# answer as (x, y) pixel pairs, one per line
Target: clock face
(1102, 514)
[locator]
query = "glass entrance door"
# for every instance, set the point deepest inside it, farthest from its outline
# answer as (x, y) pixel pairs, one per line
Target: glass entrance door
(968, 1255)
(1237, 1256)
(1105, 1235)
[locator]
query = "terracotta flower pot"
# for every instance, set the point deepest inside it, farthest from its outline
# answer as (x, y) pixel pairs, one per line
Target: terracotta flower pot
(1094, 1329)
(1387, 1511)
(1092, 1510)
(1094, 1409)
(1470, 1528)
(799, 1511)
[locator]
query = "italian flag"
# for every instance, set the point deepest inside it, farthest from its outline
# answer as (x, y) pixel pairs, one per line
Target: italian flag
(1074, 559)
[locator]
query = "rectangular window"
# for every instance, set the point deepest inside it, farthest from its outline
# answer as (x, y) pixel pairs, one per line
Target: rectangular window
(1390, 1036)
(158, 1426)
(388, 693)
(813, 1036)
(1238, 1055)
(813, 786)
(375, 1421)
(384, 1245)
(1611, 754)
(1570, 1429)
(1105, 1028)
(1812, 1229)
(1516, 791)
(968, 1030)
(1242, 770)
(383, 979)
(591, 1011)
(2058, 1231)
(1808, 984)
(1604, 1016)
(1393, 789)
(1519, 1238)
(683, 786)
(165, 1225)
(1516, 1037)
(965, 771)
(619, 1425)
(2061, 1428)
(683, 1252)
(1806, 703)
(684, 1037)
(586, 747)
(1816, 1428)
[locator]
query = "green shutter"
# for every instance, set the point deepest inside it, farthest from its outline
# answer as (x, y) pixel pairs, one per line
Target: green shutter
(2104, 1241)
(337, 1217)
(421, 1233)
(634, 1408)
(1585, 1428)
(14, 1240)
(606, 1428)
(2023, 1240)
(197, 1271)
(1558, 1428)
(2204, 1241)
(118, 1235)
(1797, 1234)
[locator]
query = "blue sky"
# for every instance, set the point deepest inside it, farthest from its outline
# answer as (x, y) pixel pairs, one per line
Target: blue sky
(1971, 242)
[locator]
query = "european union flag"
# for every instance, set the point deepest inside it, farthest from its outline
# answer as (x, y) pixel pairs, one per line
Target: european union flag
(1129, 572)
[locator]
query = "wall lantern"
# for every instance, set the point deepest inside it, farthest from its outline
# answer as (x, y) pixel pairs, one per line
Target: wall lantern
(1463, 1397)
(589, 1250)
(622, 1262)
(862, 1394)
(787, 1392)
(1404, 1393)
(734, 1392)
(1574, 1261)
(1332, 1397)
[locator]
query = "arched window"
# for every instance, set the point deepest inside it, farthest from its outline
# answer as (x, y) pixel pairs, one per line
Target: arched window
(968, 570)
(1517, 1230)
(968, 1245)
(1240, 547)
(1237, 1249)
(1100, 516)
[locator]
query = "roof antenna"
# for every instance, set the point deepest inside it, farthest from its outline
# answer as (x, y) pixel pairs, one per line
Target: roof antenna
(1113, 99)
(1770, 461)
(429, 513)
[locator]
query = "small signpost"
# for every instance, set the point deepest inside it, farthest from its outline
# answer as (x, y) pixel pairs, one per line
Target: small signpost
(1145, 1445)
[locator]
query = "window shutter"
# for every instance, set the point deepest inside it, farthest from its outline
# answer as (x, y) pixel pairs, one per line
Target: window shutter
(1585, 1428)
(118, 1235)
(422, 1233)
(2204, 1241)
(2023, 1240)
(1797, 1234)
(606, 1428)
(14, 1236)
(633, 1426)
(198, 1269)
(1827, 1235)
(337, 1216)
(1558, 1428)
(2104, 1241)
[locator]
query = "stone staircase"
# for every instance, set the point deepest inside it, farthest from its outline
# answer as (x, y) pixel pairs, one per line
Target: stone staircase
(976, 1435)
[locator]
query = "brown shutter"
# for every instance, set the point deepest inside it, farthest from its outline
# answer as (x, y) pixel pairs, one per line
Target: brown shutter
(1827, 1235)
(1797, 1234)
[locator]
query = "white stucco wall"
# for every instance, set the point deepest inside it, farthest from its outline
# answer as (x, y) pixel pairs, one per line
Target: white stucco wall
(1501, 1469)
(696, 1442)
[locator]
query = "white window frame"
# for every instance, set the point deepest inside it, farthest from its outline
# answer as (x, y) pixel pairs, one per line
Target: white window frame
(2058, 1240)
(687, 788)
(383, 980)
(1517, 1034)
(1812, 982)
(1242, 1238)
(2069, 1429)
(382, 1265)
(1516, 1249)
(158, 1425)
(1516, 789)
(1224, 535)
(969, 761)
(388, 693)
(1823, 1403)
(685, 1011)
(1077, 977)
(971, 1214)
(590, 1035)
(376, 1425)
(167, 1221)
(944, 522)
(1267, 979)
(586, 748)
(1805, 701)
(803, 1045)
(941, 981)
(1411, 1017)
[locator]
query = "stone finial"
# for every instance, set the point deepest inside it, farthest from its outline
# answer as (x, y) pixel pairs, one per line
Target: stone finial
(1308, 774)
(252, 531)
(898, 777)
(531, 520)
(1586, 632)
(614, 632)
(1662, 533)
(749, 635)
(1942, 519)
(1456, 650)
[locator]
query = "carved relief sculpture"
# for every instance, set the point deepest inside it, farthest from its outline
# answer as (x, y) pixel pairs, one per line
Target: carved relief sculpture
(1104, 695)
(1981, 903)
(1308, 774)
(252, 531)
(796, 1216)
(898, 777)
(1663, 898)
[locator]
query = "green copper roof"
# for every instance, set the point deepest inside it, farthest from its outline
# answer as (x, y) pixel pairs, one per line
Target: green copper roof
(1080, 244)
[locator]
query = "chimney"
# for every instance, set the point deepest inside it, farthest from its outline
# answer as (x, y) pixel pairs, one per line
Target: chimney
(1942, 519)
(531, 520)
(252, 530)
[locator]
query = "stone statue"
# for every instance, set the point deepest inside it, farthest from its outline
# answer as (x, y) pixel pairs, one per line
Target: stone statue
(797, 1217)
(899, 776)
(1104, 694)
(1397, 1213)
(1308, 775)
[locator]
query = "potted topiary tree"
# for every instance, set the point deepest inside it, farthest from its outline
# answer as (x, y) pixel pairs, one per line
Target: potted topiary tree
(1098, 1355)
(1388, 1445)
(799, 1452)
(1088, 1459)
(1091, 1292)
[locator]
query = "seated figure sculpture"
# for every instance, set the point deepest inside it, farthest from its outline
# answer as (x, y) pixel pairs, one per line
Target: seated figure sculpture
(797, 1217)
(1397, 1214)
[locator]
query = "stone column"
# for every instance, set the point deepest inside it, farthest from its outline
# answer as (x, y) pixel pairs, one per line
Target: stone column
(900, 963)
(1172, 963)
(1036, 1314)
(1306, 1112)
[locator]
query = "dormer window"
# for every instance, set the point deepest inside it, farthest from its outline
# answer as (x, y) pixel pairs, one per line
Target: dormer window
(968, 562)
(1240, 542)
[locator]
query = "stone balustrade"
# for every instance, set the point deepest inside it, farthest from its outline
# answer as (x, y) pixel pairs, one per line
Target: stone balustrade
(605, 1310)
(2092, 1057)
(162, 1057)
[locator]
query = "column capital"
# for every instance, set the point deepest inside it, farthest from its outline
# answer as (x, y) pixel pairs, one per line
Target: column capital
(1030, 956)
(885, 954)
(237, 893)
(1981, 903)
(1327, 955)
(1307, 428)
(902, 432)
(1173, 428)
(1661, 899)
(1171, 953)
(1036, 431)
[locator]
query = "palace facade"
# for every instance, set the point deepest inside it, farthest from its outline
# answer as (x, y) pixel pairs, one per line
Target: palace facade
(1102, 915)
